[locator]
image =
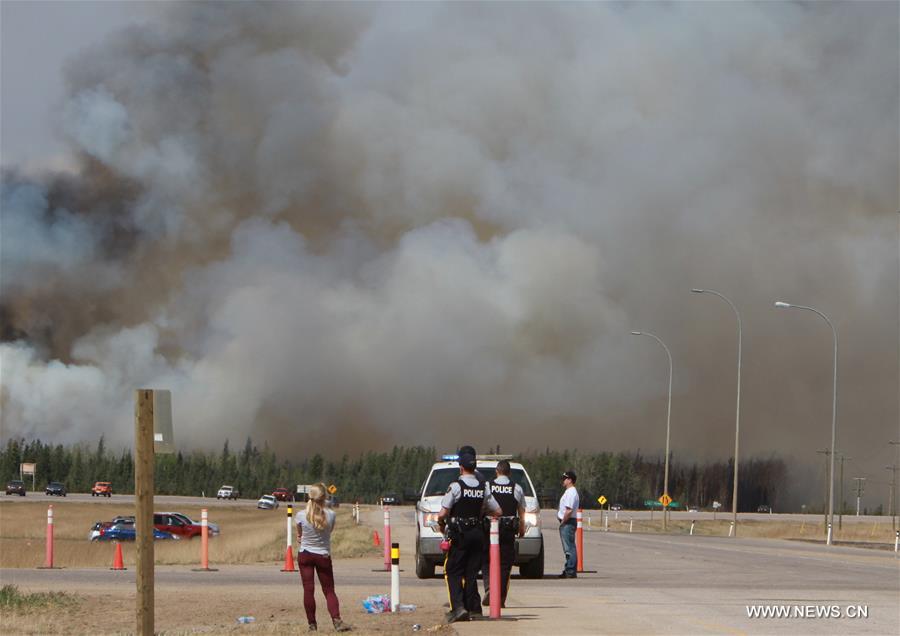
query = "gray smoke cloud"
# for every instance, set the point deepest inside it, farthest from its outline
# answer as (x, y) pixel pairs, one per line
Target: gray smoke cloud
(343, 226)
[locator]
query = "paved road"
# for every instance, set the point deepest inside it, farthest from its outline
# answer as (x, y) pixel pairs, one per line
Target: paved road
(635, 583)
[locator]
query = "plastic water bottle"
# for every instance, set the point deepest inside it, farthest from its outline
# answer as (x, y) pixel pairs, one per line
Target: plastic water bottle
(246, 619)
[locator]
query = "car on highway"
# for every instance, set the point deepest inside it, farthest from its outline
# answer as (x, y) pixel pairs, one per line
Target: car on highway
(267, 502)
(102, 489)
(55, 488)
(15, 487)
(390, 499)
(616, 507)
(228, 492)
(283, 494)
(764, 508)
(529, 549)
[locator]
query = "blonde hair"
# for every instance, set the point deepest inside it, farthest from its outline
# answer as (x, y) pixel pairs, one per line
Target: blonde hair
(315, 507)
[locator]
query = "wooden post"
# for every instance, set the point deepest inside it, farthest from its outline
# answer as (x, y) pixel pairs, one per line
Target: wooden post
(143, 508)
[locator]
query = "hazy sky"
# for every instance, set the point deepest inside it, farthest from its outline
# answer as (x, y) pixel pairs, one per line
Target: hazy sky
(343, 226)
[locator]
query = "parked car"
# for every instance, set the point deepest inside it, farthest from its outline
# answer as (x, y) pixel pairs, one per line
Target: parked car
(283, 494)
(267, 502)
(15, 487)
(529, 549)
(123, 532)
(168, 522)
(213, 527)
(100, 527)
(228, 492)
(390, 499)
(55, 488)
(102, 489)
(764, 508)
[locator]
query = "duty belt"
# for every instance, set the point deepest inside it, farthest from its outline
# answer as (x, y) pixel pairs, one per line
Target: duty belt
(465, 522)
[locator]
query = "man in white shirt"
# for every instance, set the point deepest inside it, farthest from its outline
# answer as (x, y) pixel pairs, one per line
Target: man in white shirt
(568, 505)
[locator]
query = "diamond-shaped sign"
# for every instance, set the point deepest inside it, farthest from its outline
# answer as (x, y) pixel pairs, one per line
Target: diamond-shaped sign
(332, 489)
(601, 500)
(665, 500)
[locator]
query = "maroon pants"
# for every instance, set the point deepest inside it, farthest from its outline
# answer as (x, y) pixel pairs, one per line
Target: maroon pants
(309, 564)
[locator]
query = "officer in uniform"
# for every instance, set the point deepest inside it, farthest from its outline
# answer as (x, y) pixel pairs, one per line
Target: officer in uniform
(462, 509)
(511, 499)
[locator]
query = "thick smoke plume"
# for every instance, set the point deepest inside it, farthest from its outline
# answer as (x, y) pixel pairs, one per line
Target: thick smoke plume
(342, 226)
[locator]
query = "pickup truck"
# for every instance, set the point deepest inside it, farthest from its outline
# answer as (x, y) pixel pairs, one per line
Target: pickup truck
(228, 492)
(102, 489)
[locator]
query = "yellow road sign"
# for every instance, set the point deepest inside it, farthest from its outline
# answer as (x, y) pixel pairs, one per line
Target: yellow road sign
(601, 500)
(332, 489)
(665, 500)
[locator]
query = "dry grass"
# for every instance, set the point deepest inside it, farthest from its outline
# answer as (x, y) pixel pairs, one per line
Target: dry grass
(247, 535)
(878, 532)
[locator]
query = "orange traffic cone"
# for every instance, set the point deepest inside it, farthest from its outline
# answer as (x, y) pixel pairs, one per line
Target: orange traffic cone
(288, 561)
(376, 540)
(118, 563)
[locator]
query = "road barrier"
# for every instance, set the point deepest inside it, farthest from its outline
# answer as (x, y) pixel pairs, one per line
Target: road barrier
(48, 552)
(579, 538)
(692, 527)
(630, 525)
(896, 540)
(204, 543)
(289, 551)
(731, 529)
(495, 591)
(118, 561)
(395, 576)
(387, 538)
(376, 541)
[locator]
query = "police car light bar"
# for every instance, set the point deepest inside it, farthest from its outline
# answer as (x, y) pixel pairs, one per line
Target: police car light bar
(449, 458)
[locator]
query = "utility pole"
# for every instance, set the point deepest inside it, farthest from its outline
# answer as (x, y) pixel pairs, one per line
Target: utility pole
(841, 513)
(825, 452)
(893, 468)
(859, 491)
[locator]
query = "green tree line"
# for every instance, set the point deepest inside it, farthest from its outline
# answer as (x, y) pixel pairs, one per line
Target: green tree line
(626, 478)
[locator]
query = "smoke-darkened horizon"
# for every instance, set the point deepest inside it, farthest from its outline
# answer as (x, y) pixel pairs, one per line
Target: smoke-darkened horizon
(344, 226)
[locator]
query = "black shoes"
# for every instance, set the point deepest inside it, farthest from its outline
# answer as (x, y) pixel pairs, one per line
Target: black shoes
(486, 600)
(457, 615)
(566, 575)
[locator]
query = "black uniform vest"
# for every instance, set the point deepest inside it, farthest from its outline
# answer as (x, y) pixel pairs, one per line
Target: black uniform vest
(505, 494)
(470, 501)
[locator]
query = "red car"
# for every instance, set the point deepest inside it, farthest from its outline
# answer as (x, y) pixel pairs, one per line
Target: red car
(102, 489)
(283, 494)
(175, 523)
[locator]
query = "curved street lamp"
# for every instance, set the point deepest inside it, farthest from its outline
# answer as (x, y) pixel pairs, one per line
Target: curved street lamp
(668, 422)
(737, 417)
(784, 305)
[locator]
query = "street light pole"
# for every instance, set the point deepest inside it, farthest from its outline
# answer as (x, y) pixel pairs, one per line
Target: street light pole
(784, 305)
(668, 423)
(737, 416)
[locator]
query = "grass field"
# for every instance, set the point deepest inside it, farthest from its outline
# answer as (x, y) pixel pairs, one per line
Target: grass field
(877, 532)
(247, 535)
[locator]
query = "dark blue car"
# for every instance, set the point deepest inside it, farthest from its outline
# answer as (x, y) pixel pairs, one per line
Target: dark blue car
(127, 533)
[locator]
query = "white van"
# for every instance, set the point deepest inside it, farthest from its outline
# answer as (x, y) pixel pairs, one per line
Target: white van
(529, 549)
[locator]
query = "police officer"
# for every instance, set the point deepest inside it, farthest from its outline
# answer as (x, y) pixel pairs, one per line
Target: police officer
(511, 499)
(462, 509)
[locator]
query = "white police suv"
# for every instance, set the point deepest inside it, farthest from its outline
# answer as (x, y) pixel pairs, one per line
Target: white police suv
(529, 549)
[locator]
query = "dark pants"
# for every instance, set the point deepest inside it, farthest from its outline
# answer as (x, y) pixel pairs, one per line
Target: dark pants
(309, 565)
(461, 571)
(567, 536)
(507, 556)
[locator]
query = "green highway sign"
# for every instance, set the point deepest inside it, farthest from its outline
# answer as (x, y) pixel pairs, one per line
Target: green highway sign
(653, 503)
